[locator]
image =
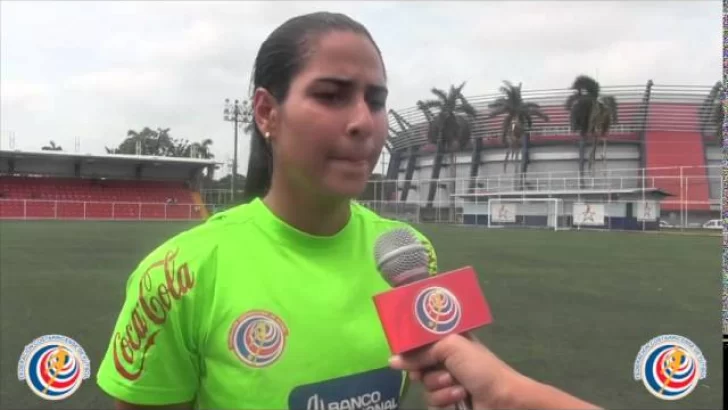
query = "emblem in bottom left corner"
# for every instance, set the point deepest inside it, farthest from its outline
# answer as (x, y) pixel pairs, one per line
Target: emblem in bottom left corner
(53, 366)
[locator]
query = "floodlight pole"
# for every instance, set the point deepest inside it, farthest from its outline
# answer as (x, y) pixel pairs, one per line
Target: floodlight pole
(238, 113)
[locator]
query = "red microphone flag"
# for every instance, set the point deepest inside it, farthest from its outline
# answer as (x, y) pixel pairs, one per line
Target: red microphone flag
(425, 311)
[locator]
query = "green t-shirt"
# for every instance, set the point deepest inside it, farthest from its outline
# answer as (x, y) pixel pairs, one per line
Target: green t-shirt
(245, 311)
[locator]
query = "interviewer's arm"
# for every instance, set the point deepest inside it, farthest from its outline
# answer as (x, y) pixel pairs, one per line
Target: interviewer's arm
(471, 367)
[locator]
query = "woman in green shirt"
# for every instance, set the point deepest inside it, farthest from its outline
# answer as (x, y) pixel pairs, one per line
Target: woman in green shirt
(269, 305)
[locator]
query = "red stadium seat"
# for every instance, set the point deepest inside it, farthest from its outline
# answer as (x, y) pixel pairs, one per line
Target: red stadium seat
(66, 198)
(668, 150)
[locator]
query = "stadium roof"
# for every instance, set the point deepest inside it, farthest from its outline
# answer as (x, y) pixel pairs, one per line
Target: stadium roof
(129, 159)
(110, 166)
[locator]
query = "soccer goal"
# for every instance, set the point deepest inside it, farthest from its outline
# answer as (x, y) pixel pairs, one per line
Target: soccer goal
(543, 213)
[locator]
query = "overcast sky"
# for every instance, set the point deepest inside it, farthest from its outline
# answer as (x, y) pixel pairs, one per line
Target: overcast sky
(97, 69)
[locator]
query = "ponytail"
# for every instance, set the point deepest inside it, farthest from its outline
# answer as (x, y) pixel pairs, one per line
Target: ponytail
(260, 167)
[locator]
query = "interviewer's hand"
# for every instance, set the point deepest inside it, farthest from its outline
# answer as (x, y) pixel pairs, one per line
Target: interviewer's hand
(470, 367)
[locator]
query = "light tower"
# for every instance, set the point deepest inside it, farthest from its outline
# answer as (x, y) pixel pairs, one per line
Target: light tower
(239, 113)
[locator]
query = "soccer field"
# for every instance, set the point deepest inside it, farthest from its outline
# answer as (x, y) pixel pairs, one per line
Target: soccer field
(570, 308)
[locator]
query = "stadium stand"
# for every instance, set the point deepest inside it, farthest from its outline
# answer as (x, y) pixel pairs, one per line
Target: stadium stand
(57, 185)
(674, 145)
(661, 151)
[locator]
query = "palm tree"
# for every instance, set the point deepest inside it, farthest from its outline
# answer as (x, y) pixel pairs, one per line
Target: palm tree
(202, 149)
(136, 143)
(450, 130)
(180, 148)
(163, 143)
(517, 121)
(147, 142)
(52, 147)
(603, 115)
(142, 141)
(591, 114)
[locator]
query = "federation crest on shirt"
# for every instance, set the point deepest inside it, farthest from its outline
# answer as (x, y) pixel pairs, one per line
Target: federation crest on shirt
(258, 338)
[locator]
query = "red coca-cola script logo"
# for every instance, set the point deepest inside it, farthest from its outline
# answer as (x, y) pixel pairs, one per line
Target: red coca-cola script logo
(150, 312)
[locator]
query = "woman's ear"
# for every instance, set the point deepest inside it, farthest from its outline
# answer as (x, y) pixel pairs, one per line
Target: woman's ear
(265, 111)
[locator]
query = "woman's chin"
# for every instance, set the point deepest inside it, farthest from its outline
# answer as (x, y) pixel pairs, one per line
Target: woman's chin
(347, 188)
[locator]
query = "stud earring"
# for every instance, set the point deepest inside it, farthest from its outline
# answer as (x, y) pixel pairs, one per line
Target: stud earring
(267, 135)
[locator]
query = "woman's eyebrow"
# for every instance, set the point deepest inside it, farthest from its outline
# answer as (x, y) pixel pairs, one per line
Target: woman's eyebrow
(348, 83)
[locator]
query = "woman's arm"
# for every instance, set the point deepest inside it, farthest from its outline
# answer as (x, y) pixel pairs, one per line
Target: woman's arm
(152, 358)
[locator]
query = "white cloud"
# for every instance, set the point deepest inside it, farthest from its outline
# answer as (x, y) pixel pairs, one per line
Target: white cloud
(97, 69)
(118, 82)
(22, 93)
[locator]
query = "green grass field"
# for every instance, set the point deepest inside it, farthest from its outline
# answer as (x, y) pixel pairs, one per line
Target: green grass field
(570, 308)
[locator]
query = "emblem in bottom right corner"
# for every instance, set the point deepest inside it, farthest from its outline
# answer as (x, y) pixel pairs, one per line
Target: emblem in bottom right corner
(670, 367)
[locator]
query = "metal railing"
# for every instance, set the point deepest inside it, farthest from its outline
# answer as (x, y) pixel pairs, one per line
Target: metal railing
(27, 209)
(617, 178)
(694, 192)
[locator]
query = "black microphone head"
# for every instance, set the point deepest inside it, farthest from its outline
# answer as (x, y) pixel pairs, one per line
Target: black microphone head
(401, 257)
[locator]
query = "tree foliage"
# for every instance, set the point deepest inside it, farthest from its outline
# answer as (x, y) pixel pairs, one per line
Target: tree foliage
(450, 116)
(585, 102)
(160, 143)
(52, 147)
(514, 108)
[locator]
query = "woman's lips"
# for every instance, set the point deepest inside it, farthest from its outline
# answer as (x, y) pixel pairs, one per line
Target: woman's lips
(357, 164)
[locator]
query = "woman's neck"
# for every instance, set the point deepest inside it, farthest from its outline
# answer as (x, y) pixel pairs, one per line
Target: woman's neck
(306, 213)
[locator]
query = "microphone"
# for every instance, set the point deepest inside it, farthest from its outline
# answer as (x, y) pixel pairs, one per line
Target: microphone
(423, 308)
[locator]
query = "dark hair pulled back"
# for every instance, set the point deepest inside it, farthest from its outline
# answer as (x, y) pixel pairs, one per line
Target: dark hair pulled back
(280, 58)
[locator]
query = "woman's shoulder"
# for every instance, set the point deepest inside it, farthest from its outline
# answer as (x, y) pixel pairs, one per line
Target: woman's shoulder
(218, 224)
(199, 244)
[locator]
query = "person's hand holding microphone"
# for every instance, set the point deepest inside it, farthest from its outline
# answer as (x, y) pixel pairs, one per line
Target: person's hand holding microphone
(424, 305)
(471, 368)
(424, 317)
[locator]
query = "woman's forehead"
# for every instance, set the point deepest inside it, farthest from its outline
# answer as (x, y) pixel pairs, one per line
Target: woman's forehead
(345, 56)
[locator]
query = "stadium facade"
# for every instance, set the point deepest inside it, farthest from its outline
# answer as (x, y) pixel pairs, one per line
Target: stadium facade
(663, 149)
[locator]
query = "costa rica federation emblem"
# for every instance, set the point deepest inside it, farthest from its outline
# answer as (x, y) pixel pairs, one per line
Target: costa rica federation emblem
(670, 366)
(437, 310)
(54, 366)
(258, 338)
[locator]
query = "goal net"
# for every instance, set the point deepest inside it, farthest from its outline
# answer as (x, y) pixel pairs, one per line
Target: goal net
(539, 213)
